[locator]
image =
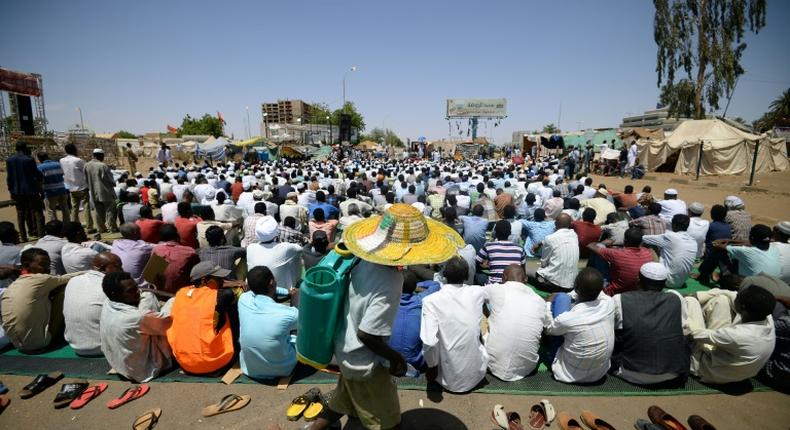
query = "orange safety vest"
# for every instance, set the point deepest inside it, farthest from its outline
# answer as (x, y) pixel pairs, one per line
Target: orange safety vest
(197, 348)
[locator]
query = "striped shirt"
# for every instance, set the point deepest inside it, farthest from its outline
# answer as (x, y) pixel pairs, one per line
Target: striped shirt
(741, 223)
(53, 178)
(650, 224)
(560, 258)
(499, 255)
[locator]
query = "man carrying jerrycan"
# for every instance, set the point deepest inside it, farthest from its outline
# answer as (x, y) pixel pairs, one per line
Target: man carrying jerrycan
(400, 237)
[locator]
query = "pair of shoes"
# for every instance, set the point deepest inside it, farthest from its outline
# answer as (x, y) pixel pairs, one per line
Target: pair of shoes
(661, 420)
(594, 422)
(541, 415)
(308, 406)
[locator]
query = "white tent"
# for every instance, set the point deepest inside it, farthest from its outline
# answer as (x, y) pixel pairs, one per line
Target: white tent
(726, 150)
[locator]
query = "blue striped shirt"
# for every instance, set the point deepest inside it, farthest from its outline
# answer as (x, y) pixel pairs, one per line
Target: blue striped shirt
(53, 178)
(500, 254)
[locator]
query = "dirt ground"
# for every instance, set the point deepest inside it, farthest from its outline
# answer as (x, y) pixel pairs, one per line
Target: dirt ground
(768, 200)
(181, 404)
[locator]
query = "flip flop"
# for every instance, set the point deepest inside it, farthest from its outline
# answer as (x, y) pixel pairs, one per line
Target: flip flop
(499, 417)
(229, 403)
(128, 395)
(41, 383)
(88, 395)
(4, 402)
(147, 420)
(514, 421)
(696, 422)
(314, 410)
(662, 419)
(300, 404)
(537, 417)
(68, 392)
(566, 422)
(595, 422)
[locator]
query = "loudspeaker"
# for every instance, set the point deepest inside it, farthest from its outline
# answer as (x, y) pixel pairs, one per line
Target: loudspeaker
(24, 110)
(345, 127)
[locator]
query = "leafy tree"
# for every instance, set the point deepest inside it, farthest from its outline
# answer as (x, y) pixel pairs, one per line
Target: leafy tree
(679, 98)
(550, 128)
(704, 39)
(778, 113)
(207, 124)
(392, 139)
(357, 121)
(318, 114)
(376, 135)
(123, 134)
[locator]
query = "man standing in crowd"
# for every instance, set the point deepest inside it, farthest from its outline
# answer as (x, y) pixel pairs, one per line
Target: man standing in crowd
(77, 184)
(55, 193)
(24, 182)
(102, 192)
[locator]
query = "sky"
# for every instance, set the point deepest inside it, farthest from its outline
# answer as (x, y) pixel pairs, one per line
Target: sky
(140, 66)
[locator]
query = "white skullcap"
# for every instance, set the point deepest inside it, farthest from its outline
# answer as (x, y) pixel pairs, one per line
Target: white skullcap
(784, 227)
(671, 192)
(654, 271)
(266, 229)
(246, 186)
(696, 208)
(98, 151)
(257, 195)
(734, 202)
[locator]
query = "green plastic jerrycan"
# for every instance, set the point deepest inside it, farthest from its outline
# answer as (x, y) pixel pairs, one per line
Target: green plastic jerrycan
(321, 300)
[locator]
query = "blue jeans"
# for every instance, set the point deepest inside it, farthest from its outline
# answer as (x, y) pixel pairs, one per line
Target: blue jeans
(562, 303)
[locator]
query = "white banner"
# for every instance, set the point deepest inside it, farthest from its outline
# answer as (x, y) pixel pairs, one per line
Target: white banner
(476, 107)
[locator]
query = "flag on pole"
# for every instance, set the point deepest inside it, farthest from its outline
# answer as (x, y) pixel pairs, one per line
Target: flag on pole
(219, 116)
(171, 129)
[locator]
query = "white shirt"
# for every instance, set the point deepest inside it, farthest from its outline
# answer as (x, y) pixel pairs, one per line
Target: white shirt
(514, 328)
(670, 208)
(588, 329)
(362, 206)
(74, 173)
(226, 212)
(560, 258)
(283, 259)
(450, 332)
(784, 260)
(178, 190)
(82, 307)
(170, 212)
(77, 258)
(678, 254)
(698, 229)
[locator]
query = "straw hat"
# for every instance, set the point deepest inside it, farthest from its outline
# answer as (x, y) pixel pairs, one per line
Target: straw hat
(402, 237)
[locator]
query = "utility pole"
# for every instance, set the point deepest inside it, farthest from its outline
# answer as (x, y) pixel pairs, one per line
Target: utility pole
(82, 124)
(559, 118)
(249, 131)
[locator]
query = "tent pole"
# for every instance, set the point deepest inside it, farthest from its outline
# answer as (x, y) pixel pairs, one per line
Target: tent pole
(754, 162)
(699, 160)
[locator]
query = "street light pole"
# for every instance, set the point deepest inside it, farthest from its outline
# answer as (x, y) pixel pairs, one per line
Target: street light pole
(82, 124)
(265, 125)
(249, 127)
(331, 141)
(353, 69)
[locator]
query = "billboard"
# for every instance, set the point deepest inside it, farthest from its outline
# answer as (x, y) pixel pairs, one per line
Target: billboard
(19, 83)
(476, 107)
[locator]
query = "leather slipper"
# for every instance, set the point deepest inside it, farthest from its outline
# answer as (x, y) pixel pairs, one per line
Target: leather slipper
(566, 422)
(594, 422)
(229, 403)
(537, 417)
(89, 394)
(662, 419)
(147, 420)
(499, 417)
(41, 383)
(128, 395)
(68, 392)
(696, 422)
(514, 421)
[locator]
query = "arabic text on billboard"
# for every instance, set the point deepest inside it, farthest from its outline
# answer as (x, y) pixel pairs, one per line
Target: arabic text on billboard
(476, 107)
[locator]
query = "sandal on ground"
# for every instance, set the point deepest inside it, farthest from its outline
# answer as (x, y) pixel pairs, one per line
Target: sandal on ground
(4, 402)
(41, 383)
(537, 418)
(128, 395)
(514, 421)
(68, 392)
(499, 417)
(566, 422)
(148, 420)
(229, 403)
(696, 422)
(662, 419)
(315, 409)
(300, 404)
(595, 422)
(89, 394)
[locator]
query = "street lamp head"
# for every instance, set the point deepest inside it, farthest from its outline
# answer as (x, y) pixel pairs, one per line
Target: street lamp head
(353, 68)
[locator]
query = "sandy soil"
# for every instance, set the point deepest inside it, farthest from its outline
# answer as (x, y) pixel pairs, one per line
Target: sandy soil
(768, 200)
(181, 404)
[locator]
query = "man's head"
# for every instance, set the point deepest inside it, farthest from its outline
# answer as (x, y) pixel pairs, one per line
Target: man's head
(632, 238)
(588, 284)
(289, 222)
(260, 208)
(456, 270)
(130, 230)
(168, 233)
(562, 221)
(539, 214)
(760, 236)
(74, 232)
(588, 215)
(670, 194)
(42, 157)
(320, 241)
(215, 235)
(530, 199)
(146, 212)
(208, 274)
(781, 232)
(184, 210)
(477, 210)
(35, 260)
(260, 281)
(501, 230)
(653, 276)
(696, 209)
(54, 228)
(71, 149)
(655, 208)
(320, 196)
(514, 273)
(629, 189)
(98, 154)
(107, 262)
(754, 303)
(8, 233)
(120, 287)
(680, 222)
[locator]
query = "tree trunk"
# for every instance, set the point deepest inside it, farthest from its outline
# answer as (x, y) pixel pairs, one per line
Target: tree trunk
(702, 56)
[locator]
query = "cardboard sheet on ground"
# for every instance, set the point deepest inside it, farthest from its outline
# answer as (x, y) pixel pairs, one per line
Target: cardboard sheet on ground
(154, 271)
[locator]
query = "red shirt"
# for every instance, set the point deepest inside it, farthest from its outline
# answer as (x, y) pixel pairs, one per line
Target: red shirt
(181, 259)
(588, 233)
(624, 265)
(149, 229)
(235, 190)
(144, 194)
(626, 200)
(187, 230)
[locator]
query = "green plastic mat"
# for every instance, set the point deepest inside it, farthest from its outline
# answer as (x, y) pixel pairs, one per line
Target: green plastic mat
(539, 383)
(692, 286)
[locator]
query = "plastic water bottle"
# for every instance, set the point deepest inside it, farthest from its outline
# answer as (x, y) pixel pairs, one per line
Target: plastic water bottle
(411, 371)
